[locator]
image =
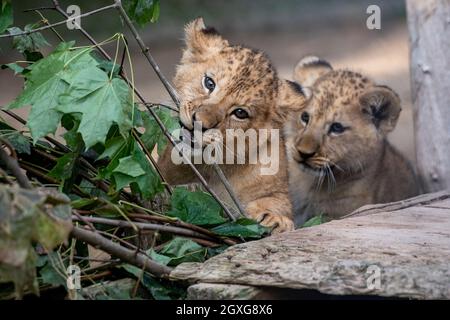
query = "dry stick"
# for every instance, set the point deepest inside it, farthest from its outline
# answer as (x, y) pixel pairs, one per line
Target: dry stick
(147, 226)
(12, 164)
(182, 224)
(146, 51)
(120, 252)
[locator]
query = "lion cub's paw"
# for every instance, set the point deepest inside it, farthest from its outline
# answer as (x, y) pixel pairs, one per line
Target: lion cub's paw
(277, 222)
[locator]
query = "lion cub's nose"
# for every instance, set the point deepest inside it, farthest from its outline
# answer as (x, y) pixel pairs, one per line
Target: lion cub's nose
(306, 155)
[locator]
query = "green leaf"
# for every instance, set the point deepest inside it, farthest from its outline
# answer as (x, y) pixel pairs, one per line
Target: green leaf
(14, 67)
(243, 227)
(159, 289)
(153, 134)
(49, 275)
(6, 15)
(27, 217)
(141, 177)
(45, 84)
(20, 142)
(179, 250)
(314, 221)
(130, 167)
(112, 147)
(64, 166)
(109, 67)
(101, 101)
(142, 11)
(198, 207)
(31, 42)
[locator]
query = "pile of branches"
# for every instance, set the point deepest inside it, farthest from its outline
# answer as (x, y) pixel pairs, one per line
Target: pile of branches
(90, 205)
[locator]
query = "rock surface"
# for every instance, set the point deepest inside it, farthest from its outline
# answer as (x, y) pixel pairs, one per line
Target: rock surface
(393, 250)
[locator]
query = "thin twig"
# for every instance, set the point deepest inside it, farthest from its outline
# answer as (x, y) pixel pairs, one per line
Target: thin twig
(12, 164)
(229, 188)
(120, 252)
(24, 33)
(146, 52)
(146, 226)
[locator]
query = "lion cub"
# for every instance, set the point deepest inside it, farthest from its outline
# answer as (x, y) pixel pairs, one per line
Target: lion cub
(339, 158)
(226, 87)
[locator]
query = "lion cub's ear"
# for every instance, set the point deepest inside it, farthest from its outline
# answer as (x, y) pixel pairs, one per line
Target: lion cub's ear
(382, 105)
(309, 69)
(201, 41)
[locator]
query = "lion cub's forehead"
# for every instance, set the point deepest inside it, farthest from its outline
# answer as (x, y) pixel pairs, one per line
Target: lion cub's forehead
(248, 71)
(339, 89)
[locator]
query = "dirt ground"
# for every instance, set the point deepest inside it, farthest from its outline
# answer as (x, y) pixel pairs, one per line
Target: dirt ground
(381, 54)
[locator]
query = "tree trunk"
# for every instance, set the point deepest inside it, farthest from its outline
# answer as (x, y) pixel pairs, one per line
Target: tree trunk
(429, 29)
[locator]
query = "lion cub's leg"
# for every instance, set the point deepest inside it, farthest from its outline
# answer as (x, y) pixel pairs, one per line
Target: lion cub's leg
(273, 212)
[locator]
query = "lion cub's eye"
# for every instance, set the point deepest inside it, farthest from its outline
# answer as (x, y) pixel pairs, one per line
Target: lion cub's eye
(305, 117)
(209, 84)
(240, 113)
(336, 127)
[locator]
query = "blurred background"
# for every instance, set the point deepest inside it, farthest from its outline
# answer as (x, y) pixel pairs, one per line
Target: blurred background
(286, 30)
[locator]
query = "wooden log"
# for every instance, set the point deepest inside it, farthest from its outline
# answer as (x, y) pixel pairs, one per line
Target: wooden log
(400, 253)
(429, 28)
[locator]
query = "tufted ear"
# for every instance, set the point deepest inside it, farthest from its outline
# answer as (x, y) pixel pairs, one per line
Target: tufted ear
(309, 69)
(382, 105)
(291, 98)
(201, 41)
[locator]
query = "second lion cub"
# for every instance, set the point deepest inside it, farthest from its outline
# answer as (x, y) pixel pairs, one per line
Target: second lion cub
(339, 158)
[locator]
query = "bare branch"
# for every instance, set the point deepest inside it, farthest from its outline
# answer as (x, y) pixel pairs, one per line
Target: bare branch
(12, 164)
(146, 226)
(130, 256)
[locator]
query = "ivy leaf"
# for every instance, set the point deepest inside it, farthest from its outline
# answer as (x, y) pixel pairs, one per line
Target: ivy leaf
(27, 217)
(6, 15)
(129, 166)
(179, 250)
(27, 43)
(314, 221)
(197, 207)
(153, 134)
(159, 288)
(243, 227)
(142, 11)
(49, 275)
(101, 101)
(64, 166)
(20, 142)
(44, 83)
(134, 170)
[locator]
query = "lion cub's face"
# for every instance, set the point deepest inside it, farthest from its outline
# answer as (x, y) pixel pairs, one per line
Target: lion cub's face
(343, 125)
(224, 86)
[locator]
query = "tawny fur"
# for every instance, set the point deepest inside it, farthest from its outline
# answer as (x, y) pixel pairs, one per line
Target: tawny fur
(244, 78)
(364, 168)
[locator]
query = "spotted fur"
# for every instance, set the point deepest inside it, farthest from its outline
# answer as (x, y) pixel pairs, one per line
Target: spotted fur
(333, 172)
(244, 78)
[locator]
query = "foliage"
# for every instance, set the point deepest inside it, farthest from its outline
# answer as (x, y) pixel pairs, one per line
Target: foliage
(314, 221)
(142, 11)
(28, 217)
(102, 169)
